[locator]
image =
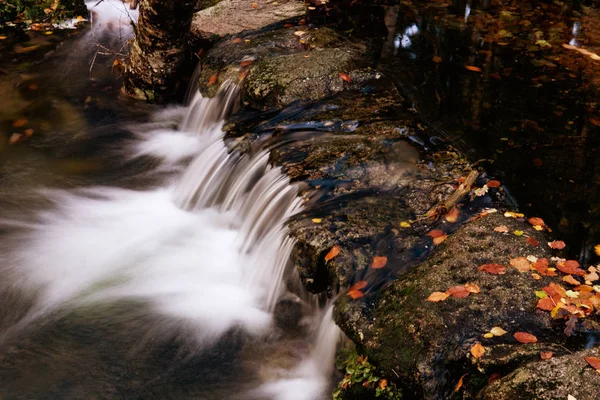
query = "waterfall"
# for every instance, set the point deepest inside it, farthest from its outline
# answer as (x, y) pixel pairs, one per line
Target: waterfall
(207, 251)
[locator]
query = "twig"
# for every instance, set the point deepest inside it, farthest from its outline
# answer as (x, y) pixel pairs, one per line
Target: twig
(462, 190)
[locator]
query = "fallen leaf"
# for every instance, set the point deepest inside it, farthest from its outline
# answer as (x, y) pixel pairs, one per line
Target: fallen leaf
(594, 362)
(21, 122)
(254, 5)
(473, 68)
(488, 335)
(288, 26)
(493, 184)
(545, 355)
(501, 229)
(317, 220)
(436, 233)
(557, 245)
(458, 291)
(355, 294)
(518, 233)
(531, 241)
(237, 40)
(29, 132)
(2, 37)
(497, 331)
(494, 377)
(439, 239)
(437, 59)
(359, 285)
(245, 63)
(536, 221)
(212, 80)
(571, 280)
(524, 337)
(495, 269)
(335, 250)
(405, 224)
(570, 397)
(14, 138)
(570, 267)
(472, 287)
(242, 75)
(478, 350)
(378, 262)
(382, 384)
(299, 33)
(521, 264)
(536, 277)
(452, 215)
(538, 162)
(546, 304)
(437, 297)
(460, 383)
(345, 77)
(597, 249)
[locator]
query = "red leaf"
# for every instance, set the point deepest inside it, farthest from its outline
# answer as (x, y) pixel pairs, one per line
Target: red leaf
(493, 184)
(355, 294)
(524, 337)
(495, 269)
(345, 77)
(532, 242)
(594, 362)
(570, 267)
(458, 291)
(546, 304)
(557, 245)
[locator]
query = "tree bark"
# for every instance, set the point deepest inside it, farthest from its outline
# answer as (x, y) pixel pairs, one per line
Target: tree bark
(159, 49)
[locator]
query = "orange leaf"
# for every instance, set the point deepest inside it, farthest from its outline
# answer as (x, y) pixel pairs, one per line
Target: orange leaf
(452, 215)
(493, 184)
(355, 294)
(20, 123)
(524, 337)
(237, 40)
(521, 264)
(29, 132)
(478, 350)
(557, 245)
(345, 77)
(495, 269)
(245, 63)
(359, 285)
(14, 138)
(532, 242)
(571, 280)
(460, 383)
(212, 80)
(439, 239)
(545, 355)
(501, 229)
(473, 68)
(472, 287)
(254, 5)
(570, 267)
(335, 250)
(242, 75)
(536, 221)
(594, 362)
(437, 297)
(378, 262)
(597, 249)
(437, 59)
(546, 304)
(458, 291)
(436, 233)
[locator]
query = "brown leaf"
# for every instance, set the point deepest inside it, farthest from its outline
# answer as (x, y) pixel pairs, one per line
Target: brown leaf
(473, 68)
(545, 355)
(594, 362)
(536, 221)
(452, 215)
(458, 291)
(524, 337)
(345, 77)
(439, 239)
(496, 269)
(335, 250)
(493, 184)
(546, 304)
(521, 264)
(472, 287)
(501, 229)
(460, 383)
(531, 241)
(212, 80)
(378, 262)
(557, 245)
(437, 297)
(477, 350)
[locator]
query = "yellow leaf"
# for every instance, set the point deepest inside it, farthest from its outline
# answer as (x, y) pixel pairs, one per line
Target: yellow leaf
(497, 331)
(488, 335)
(597, 249)
(518, 233)
(405, 224)
(317, 220)
(437, 296)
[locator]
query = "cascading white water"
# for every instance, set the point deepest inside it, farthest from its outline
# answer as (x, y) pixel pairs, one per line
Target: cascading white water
(207, 251)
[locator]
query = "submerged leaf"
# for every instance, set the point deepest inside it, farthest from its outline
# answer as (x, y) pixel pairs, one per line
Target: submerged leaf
(379, 262)
(335, 250)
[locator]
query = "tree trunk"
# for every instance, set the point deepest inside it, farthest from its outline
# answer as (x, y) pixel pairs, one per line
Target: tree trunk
(159, 49)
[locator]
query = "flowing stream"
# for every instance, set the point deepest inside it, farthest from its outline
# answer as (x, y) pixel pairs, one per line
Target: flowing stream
(176, 289)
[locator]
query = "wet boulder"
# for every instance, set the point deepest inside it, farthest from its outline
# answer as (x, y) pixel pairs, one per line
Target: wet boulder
(556, 378)
(428, 345)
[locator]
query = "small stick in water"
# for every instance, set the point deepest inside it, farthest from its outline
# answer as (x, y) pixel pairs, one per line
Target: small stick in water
(462, 190)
